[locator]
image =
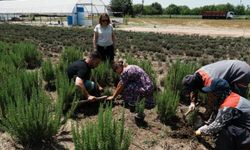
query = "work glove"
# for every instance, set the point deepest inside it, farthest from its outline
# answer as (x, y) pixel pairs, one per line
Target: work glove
(198, 132)
(191, 106)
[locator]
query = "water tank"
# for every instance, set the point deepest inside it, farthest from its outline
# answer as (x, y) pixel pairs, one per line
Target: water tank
(70, 20)
(80, 15)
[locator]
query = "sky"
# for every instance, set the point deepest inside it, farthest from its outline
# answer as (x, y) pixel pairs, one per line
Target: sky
(189, 3)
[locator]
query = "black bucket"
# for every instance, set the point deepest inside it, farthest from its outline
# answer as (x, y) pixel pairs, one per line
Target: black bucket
(131, 106)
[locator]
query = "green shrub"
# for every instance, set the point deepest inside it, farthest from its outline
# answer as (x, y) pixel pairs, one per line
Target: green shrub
(104, 74)
(68, 56)
(3, 47)
(48, 74)
(17, 60)
(192, 117)
(10, 86)
(176, 73)
(107, 91)
(139, 107)
(6, 68)
(66, 91)
(26, 53)
(106, 134)
(48, 71)
(32, 121)
(167, 103)
(29, 80)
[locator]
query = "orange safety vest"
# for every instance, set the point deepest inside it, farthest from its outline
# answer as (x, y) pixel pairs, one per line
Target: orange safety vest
(206, 78)
(231, 101)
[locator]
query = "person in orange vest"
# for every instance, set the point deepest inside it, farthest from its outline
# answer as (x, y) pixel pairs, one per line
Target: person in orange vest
(236, 72)
(231, 118)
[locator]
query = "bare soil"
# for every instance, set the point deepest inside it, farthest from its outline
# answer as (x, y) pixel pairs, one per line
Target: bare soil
(153, 134)
(225, 28)
(188, 30)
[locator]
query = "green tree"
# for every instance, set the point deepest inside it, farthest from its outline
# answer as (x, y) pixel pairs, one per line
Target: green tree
(123, 6)
(184, 10)
(229, 7)
(172, 10)
(240, 10)
(157, 8)
(195, 11)
(147, 10)
(247, 10)
(137, 9)
(225, 7)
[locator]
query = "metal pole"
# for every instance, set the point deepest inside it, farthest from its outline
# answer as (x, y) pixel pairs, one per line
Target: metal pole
(77, 15)
(92, 17)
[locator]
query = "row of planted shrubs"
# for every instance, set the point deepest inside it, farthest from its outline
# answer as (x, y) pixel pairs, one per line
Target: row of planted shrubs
(105, 134)
(26, 111)
(160, 46)
(168, 99)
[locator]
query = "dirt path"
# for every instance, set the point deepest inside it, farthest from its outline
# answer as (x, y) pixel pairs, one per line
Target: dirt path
(188, 30)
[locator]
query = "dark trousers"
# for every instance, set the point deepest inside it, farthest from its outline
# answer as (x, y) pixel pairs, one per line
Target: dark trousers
(107, 53)
(233, 138)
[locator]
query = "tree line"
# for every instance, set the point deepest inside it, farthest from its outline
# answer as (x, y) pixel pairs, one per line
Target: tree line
(126, 7)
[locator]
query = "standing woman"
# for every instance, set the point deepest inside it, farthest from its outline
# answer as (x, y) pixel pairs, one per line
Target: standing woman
(134, 84)
(104, 38)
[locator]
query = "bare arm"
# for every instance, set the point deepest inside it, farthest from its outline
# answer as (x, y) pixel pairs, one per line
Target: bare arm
(113, 38)
(193, 98)
(118, 90)
(224, 117)
(95, 37)
(99, 87)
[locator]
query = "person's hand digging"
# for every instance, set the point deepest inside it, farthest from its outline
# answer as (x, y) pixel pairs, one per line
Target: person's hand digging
(100, 89)
(191, 106)
(110, 98)
(197, 132)
(91, 98)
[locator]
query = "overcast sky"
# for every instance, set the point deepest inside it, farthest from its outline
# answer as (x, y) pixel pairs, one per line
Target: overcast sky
(189, 3)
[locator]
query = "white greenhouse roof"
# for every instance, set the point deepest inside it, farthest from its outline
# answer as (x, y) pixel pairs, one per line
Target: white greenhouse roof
(49, 6)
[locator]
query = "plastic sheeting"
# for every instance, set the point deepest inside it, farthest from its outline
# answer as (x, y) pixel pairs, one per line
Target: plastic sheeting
(49, 6)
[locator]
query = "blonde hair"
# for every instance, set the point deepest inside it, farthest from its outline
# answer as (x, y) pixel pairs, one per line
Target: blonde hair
(117, 64)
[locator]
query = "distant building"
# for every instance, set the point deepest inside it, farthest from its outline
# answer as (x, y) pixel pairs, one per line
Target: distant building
(53, 8)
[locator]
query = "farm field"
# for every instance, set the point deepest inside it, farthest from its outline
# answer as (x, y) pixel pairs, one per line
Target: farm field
(242, 24)
(163, 56)
(215, 28)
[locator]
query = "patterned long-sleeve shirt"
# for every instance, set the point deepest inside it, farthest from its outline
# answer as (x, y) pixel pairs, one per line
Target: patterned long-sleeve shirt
(225, 116)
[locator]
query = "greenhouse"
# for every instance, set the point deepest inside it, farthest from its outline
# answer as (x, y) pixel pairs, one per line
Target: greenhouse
(52, 12)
